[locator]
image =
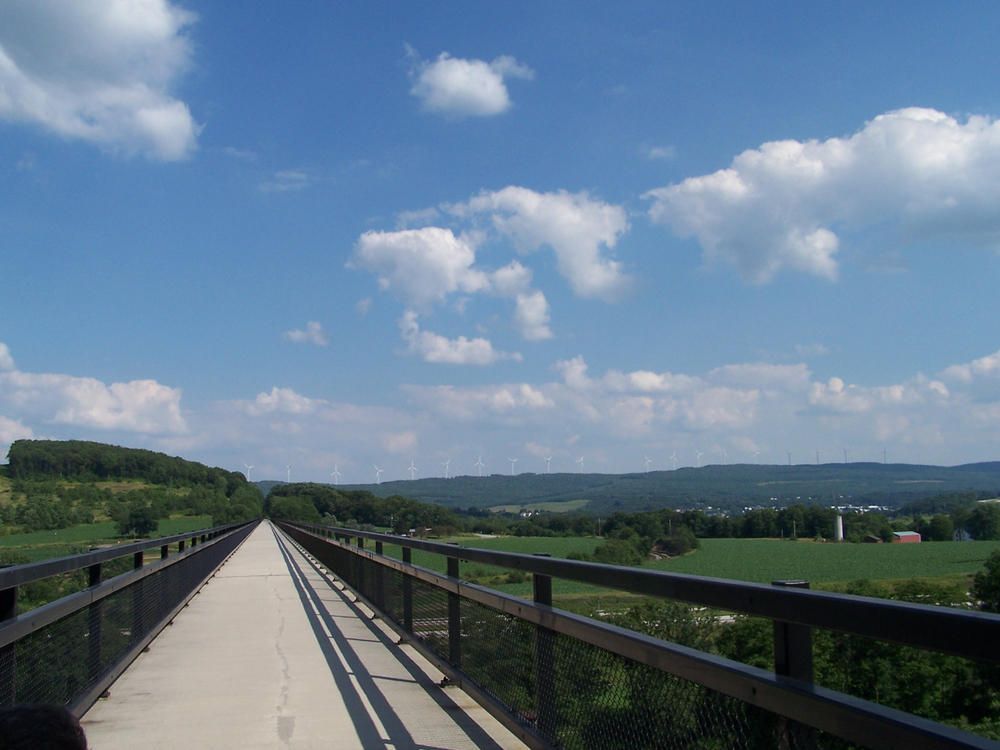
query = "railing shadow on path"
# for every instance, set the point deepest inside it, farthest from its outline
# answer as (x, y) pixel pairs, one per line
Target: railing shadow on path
(376, 722)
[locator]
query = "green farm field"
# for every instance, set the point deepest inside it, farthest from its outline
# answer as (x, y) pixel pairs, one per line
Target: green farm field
(766, 560)
(754, 560)
(43, 545)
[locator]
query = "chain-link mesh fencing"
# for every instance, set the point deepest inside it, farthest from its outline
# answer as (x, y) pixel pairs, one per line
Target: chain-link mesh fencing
(568, 692)
(61, 661)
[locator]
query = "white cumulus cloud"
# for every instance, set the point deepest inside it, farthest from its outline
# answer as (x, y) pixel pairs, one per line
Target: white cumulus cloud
(283, 400)
(580, 229)
(11, 430)
(100, 71)
(784, 205)
(6, 361)
(313, 334)
(136, 406)
(456, 87)
(420, 266)
(532, 316)
(460, 351)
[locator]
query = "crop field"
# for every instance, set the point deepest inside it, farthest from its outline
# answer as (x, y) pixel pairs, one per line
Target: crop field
(754, 560)
(42, 545)
(765, 560)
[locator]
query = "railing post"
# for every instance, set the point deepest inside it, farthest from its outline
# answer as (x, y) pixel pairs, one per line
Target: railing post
(164, 551)
(793, 653)
(379, 579)
(94, 621)
(545, 688)
(359, 569)
(407, 592)
(180, 546)
(454, 619)
(138, 559)
(793, 657)
(8, 654)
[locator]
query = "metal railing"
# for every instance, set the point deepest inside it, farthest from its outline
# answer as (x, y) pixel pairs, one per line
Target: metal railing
(69, 651)
(557, 679)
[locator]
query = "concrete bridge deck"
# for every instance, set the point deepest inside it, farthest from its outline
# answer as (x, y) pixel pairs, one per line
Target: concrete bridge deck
(271, 654)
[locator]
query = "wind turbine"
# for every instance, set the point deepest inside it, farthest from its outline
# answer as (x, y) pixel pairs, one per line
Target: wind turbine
(445, 465)
(378, 474)
(411, 470)
(884, 459)
(845, 455)
(250, 466)
(789, 457)
(580, 461)
(755, 454)
(674, 459)
(289, 475)
(512, 460)
(724, 456)
(336, 475)
(648, 462)
(480, 464)
(547, 464)
(698, 457)
(817, 458)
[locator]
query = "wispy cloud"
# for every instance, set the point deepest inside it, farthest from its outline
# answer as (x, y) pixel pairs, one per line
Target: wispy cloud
(439, 349)
(286, 181)
(663, 153)
(313, 334)
(239, 154)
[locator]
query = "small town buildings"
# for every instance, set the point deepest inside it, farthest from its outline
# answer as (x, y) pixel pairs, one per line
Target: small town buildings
(905, 537)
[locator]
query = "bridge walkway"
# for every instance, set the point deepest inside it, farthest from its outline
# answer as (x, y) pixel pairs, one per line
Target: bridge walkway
(272, 654)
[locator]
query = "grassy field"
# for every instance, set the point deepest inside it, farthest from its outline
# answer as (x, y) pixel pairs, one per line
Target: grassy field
(765, 560)
(42, 545)
(755, 560)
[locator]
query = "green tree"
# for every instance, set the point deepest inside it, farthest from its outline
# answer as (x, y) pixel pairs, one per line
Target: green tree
(939, 529)
(984, 524)
(986, 584)
(140, 518)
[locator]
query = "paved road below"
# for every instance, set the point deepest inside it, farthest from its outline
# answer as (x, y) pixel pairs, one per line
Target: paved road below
(271, 654)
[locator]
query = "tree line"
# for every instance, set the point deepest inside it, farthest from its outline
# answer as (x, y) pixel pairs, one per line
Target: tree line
(54, 485)
(85, 461)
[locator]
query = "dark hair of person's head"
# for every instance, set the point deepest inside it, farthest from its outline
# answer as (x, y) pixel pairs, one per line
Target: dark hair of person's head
(40, 726)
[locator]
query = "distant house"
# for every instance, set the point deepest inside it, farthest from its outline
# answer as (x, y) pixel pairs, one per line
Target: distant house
(872, 539)
(904, 537)
(961, 535)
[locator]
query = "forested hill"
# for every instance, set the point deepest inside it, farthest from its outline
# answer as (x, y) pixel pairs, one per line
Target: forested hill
(725, 487)
(82, 461)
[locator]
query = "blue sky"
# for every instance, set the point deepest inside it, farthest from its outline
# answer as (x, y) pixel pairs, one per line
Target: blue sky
(341, 236)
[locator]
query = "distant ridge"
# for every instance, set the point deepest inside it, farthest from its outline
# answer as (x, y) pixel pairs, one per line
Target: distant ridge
(731, 487)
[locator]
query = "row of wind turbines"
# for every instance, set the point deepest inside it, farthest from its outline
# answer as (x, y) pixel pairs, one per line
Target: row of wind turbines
(581, 461)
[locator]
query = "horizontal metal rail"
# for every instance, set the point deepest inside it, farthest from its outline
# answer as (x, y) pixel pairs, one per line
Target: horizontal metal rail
(19, 575)
(151, 610)
(841, 715)
(964, 633)
(15, 629)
